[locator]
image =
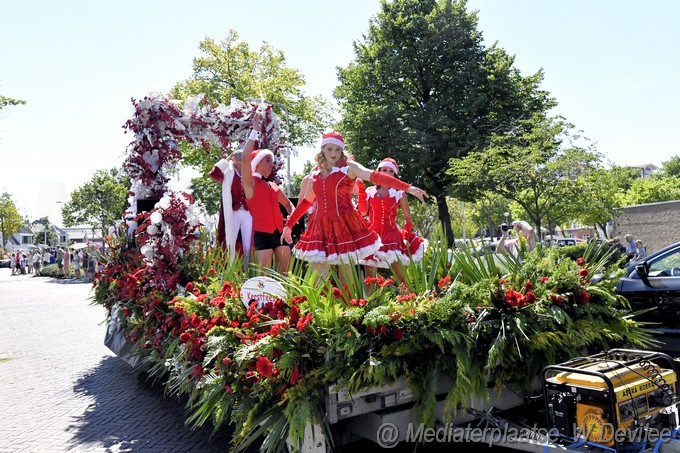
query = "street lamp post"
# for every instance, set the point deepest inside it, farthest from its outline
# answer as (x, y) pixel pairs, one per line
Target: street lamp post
(507, 217)
(285, 109)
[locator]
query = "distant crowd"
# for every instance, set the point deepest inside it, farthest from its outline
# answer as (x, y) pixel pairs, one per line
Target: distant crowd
(82, 262)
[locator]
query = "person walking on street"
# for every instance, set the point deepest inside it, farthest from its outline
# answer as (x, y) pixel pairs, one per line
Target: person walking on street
(37, 261)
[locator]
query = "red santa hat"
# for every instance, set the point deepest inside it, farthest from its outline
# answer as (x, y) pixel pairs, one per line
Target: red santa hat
(333, 138)
(389, 163)
(257, 156)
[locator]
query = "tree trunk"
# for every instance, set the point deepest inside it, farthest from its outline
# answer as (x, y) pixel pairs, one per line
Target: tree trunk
(445, 219)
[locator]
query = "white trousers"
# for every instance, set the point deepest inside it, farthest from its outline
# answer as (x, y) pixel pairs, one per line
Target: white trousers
(242, 220)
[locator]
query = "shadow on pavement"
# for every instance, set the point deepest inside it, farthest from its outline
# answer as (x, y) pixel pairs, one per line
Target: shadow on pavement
(128, 413)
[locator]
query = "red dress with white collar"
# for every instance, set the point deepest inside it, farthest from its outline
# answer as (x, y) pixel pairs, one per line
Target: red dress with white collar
(397, 244)
(336, 233)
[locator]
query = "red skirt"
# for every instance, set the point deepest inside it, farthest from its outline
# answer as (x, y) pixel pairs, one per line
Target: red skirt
(337, 240)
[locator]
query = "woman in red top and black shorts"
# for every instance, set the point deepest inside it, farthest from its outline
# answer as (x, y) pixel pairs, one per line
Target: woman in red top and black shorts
(263, 198)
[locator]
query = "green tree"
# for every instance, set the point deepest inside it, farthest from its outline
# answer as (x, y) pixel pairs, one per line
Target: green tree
(10, 219)
(45, 235)
(6, 102)
(671, 167)
(230, 69)
(532, 166)
(602, 193)
(423, 89)
(99, 202)
(652, 190)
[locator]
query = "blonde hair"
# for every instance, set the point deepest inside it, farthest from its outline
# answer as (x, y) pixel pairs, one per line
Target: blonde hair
(320, 159)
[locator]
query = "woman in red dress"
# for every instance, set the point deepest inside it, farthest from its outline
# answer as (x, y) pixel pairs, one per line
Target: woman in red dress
(398, 247)
(337, 234)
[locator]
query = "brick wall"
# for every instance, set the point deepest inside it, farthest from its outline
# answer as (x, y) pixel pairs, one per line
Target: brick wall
(657, 224)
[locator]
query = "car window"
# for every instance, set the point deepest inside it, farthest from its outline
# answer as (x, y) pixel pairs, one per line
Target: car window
(667, 265)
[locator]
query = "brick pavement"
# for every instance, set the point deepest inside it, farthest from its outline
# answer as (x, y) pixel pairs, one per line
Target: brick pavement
(62, 390)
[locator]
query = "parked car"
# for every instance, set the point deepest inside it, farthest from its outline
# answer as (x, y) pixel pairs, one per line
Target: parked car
(652, 285)
(5, 262)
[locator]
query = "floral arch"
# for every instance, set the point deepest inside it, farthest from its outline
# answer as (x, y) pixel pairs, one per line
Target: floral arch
(159, 125)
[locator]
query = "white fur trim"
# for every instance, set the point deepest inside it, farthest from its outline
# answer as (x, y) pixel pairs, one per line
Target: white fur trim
(258, 158)
(222, 164)
(333, 141)
(389, 165)
(319, 256)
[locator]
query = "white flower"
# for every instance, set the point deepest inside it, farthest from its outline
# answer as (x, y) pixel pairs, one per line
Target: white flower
(156, 217)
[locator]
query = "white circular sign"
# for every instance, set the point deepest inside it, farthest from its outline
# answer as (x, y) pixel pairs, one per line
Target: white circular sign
(262, 289)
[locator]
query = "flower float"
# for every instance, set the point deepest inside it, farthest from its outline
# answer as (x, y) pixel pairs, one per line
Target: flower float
(265, 368)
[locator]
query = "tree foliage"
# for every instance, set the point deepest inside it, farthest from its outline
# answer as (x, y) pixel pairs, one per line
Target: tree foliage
(7, 101)
(603, 191)
(423, 89)
(230, 69)
(99, 202)
(654, 189)
(536, 165)
(10, 219)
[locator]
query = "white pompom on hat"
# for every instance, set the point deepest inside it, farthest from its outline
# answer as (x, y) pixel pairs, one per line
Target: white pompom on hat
(333, 138)
(389, 163)
(257, 156)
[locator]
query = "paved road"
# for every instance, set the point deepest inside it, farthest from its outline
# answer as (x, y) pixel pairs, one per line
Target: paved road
(62, 390)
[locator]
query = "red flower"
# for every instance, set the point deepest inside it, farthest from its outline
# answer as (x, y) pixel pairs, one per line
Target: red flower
(264, 366)
(337, 293)
(294, 375)
(544, 279)
(302, 323)
(502, 282)
(580, 261)
(444, 282)
(358, 302)
(385, 283)
(556, 299)
(190, 286)
(294, 315)
(195, 320)
(406, 297)
(397, 333)
(226, 360)
(583, 297)
(228, 388)
(583, 272)
(298, 300)
(529, 298)
(528, 285)
(185, 337)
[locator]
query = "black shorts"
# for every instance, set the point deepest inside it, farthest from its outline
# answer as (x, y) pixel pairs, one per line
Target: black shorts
(267, 241)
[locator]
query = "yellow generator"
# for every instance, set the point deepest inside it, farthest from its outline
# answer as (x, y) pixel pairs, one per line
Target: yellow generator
(615, 398)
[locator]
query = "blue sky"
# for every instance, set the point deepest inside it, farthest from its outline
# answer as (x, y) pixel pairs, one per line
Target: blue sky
(611, 64)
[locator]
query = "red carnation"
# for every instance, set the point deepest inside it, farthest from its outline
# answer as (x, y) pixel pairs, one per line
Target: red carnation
(195, 320)
(528, 285)
(185, 337)
(397, 333)
(302, 323)
(583, 272)
(190, 286)
(444, 282)
(544, 279)
(294, 375)
(264, 366)
(583, 297)
(580, 261)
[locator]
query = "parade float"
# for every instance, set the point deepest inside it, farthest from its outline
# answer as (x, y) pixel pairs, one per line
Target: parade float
(296, 362)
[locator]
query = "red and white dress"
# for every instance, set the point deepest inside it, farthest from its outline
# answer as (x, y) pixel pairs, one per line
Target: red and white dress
(336, 233)
(397, 244)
